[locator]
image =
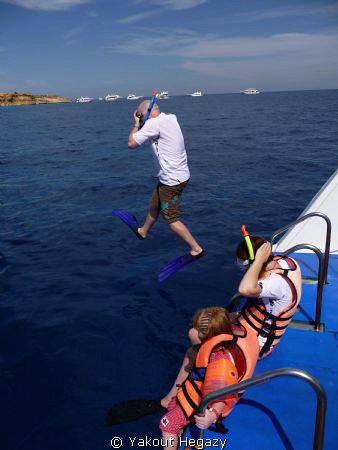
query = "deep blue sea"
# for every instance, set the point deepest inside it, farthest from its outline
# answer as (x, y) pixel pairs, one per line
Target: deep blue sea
(83, 322)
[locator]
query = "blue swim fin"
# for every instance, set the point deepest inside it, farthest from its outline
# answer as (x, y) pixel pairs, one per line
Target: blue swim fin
(176, 264)
(129, 219)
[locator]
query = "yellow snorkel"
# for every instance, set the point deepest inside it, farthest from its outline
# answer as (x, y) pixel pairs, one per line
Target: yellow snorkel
(248, 243)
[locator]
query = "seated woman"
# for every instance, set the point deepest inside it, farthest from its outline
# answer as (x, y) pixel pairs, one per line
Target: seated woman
(272, 285)
(213, 369)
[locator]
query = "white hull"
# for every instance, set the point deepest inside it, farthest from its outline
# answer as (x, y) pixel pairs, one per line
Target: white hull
(250, 91)
(313, 230)
(163, 95)
(111, 98)
(84, 100)
(133, 97)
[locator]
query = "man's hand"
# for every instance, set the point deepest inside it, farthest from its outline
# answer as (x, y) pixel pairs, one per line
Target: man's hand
(131, 141)
(137, 119)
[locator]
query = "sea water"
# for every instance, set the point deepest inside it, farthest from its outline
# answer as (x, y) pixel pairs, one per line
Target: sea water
(83, 322)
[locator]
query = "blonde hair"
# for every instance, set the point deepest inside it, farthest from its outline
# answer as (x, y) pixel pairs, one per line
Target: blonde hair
(212, 321)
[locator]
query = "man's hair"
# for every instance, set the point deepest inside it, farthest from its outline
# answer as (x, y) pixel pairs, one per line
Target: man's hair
(143, 107)
(212, 321)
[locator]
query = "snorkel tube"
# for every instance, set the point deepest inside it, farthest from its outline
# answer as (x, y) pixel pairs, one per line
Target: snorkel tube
(150, 107)
(249, 244)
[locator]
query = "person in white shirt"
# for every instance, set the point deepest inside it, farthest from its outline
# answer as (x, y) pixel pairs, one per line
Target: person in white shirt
(164, 134)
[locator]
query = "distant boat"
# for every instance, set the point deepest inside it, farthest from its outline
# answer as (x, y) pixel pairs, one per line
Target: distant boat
(196, 94)
(111, 97)
(250, 91)
(100, 98)
(163, 95)
(133, 97)
(84, 100)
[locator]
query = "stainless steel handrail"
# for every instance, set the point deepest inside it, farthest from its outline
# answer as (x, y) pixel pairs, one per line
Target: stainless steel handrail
(266, 377)
(320, 278)
(327, 240)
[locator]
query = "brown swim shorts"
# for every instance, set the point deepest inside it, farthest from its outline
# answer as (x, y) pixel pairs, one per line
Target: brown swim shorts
(168, 200)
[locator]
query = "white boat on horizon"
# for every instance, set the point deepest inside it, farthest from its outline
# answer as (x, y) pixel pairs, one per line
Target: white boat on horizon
(163, 95)
(84, 100)
(196, 94)
(134, 97)
(250, 91)
(112, 97)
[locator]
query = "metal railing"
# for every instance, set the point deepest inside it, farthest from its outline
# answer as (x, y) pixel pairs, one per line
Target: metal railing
(266, 377)
(327, 239)
(320, 278)
(323, 260)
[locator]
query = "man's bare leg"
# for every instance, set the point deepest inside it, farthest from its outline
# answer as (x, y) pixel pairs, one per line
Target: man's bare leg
(182, 231)
(149, 222)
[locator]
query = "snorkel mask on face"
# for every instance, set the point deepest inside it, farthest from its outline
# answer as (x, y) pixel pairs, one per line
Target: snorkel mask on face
(243, 265)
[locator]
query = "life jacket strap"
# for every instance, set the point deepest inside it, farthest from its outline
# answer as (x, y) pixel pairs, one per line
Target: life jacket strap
(259, 305)
(289, 261)
(194, 385)
(267, 345)
(188, 398)
(263, 322)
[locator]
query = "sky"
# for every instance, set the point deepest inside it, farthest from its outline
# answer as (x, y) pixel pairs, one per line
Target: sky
(98, 47)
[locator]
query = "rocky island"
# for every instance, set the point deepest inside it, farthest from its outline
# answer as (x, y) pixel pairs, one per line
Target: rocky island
(30, 99)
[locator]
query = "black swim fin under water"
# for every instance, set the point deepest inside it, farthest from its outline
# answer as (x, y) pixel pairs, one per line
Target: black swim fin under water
(131, 410)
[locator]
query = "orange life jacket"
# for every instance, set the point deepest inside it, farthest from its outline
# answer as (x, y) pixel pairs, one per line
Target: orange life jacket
(244, 350)
(254, 315)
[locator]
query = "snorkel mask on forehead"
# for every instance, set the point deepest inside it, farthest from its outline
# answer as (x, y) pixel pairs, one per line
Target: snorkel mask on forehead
(244, 265)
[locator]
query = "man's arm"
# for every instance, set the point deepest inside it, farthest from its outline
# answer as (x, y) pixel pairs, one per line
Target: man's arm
(131, 141)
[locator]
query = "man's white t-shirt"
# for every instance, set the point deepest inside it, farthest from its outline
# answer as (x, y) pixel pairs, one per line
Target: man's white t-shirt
(276, 294)
(167, 143)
